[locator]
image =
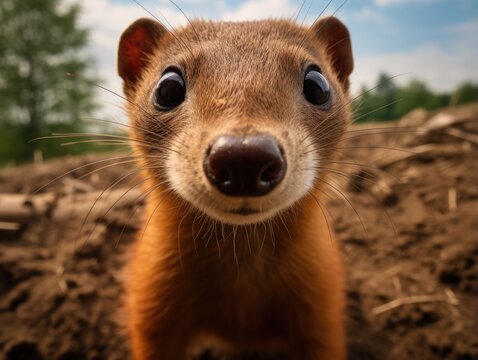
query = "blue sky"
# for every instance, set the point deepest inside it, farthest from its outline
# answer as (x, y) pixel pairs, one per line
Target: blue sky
(381, 26)
(432, 40)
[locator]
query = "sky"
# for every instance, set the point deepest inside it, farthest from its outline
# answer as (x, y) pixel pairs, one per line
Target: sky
(432, 40)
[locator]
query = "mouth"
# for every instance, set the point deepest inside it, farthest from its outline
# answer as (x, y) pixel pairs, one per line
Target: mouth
(244, 211)
(242, 215)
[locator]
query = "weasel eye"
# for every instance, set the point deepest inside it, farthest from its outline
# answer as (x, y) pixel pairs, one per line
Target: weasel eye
(170, 91)
(316, 87)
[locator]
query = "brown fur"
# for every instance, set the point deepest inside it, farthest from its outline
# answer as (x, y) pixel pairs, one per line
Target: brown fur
(275, 287)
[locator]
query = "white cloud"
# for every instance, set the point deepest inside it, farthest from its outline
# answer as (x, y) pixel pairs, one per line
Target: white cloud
(367, 14)
(402, 2)
(442, 69)
(106, 21)
(390, 2)
(260, 9)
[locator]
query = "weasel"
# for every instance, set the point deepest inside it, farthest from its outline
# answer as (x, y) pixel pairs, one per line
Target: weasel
(235, 124)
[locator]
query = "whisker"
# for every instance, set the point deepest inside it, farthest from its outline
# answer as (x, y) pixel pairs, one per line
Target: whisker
(296, 17)
(82, 167)
(389, 218)
(153, 188)
(139, 199)
(148, 115)
(195, 235)
(333, 14)
(125, 162)
(273, 240)
(98, 142)
(347, 176)
(234, 233)
(324, 211)
(210, 232)
(306, 14)
(113, 138)
(376, 110)
(248, 239)
(307, 34)
(187, 18)
(397, 131)
(362, 166)
(379, 147)
(126, 193)
(157, 136)
(179, 238)
(381, 83)
(330, 126)
(281, 217)
(171, 29)
(215, 223)
(110, 187)
(348, 201)
(119, 199)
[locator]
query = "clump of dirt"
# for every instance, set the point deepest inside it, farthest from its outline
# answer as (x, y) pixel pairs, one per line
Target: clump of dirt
(406, 220)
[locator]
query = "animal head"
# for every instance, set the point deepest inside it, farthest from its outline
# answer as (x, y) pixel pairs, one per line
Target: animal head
(237, 119)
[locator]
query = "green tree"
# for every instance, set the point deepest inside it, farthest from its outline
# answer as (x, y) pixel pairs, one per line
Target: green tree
(415, 94)
(377, 103)
(386, 101)
(387, 92)
(40, 43)
(466, 93)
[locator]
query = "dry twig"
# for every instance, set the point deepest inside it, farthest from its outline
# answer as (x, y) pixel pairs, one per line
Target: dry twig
(449, 297)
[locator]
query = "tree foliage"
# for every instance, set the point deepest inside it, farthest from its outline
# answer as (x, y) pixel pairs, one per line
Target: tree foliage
(40, 43)
(388, 101)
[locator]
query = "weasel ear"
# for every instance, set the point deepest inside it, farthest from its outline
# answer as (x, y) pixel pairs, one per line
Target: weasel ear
(336, 37)
(137, 44)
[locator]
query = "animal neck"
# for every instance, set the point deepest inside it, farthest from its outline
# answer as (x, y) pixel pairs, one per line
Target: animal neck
(193, 237)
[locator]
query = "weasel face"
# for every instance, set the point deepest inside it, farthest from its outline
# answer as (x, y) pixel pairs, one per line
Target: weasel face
(243, 178)
(241, 117)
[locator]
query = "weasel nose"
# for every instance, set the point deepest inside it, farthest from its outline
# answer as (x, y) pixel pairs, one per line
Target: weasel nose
(245, 166)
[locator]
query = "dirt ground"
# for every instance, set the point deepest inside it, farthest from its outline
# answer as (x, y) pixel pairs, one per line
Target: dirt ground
(406, 220)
